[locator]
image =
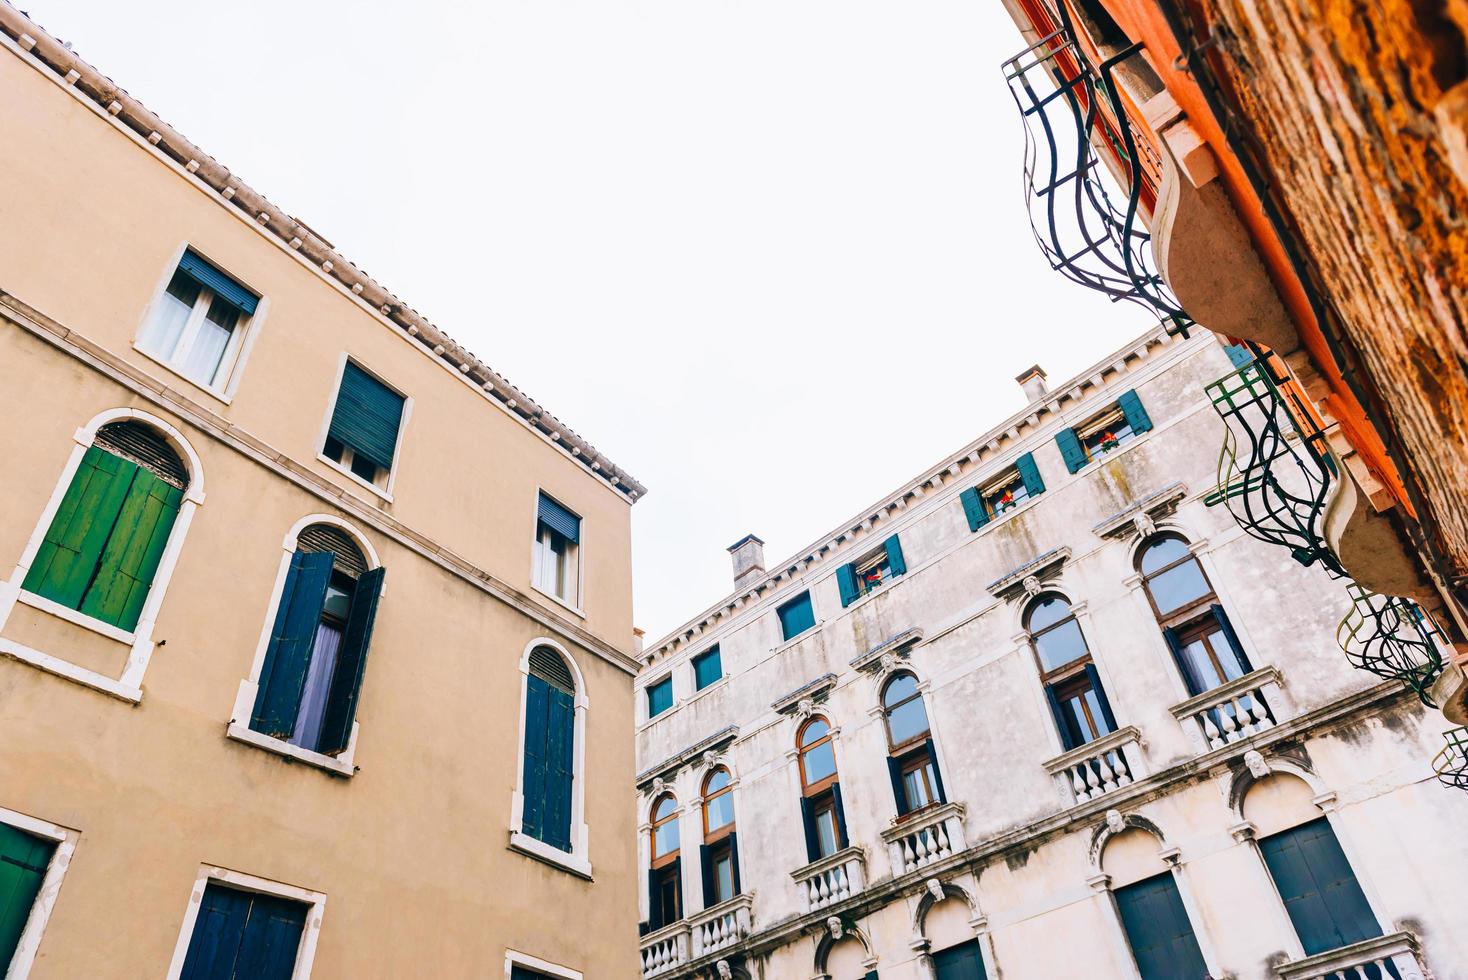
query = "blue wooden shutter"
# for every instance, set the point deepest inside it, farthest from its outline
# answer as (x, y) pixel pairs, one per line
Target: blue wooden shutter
(1238, 354)
(963, 963)
(706, 869)
(537, 715)
(1221, 618)
(23, 863)
(1136, 415)
(846, 582)
(899, 792)
(973, 509)
(734, 860)
(1195, 684)
(842, 841)
(1062, 723)
(351, 664)
(895, 563)
(796, 616)
(808, 822)
(219, 930)
(283, 674)
(1158, 930)
(560, 769)
(272, 938)
(223, 287)
(1029, 474)
(560, 520)
(1319, 889)
(937, 773)
(1095, 679)
(1070, 450)
(367, 416)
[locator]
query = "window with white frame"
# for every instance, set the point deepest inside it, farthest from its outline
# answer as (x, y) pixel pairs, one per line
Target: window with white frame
(365, 421)
(24, 861)
(557, 551)
(244, 935)
(198, 325)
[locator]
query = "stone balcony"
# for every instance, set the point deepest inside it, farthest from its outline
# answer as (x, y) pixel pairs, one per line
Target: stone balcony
(1098, 767)
(1395, 955)
(666, 950)
(1234, 711)
(831, 879)
(721, 926)
(925, 837)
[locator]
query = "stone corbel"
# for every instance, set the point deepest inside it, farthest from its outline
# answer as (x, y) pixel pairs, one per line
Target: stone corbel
(1243, 831)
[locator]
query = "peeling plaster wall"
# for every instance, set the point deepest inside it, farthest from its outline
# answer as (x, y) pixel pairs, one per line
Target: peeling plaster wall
(993, 729)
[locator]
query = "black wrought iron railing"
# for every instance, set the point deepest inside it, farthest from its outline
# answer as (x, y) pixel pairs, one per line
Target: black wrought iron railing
(1451, 764)
(1392, 637)
(1274, 471)
(1092, 235)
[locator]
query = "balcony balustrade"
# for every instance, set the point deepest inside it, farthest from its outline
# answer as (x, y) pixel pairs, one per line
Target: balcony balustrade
(832, 879)
(1091, 235)
(1275, 473)
(1385, 957)
(1098, 767)
(721, 926)
(1451, 764)
(1392, 637)
(1234, 711)
(665, 950)
(925, 837)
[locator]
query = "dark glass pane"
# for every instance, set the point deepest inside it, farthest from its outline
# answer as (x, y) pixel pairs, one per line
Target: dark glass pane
(720, 811)
(1162, 553)
(723, 878)
(907, 721)
(1061, 645)
(820, 762)
(903, 686)
(1047, 611)
(815, 731)
(1177, 587)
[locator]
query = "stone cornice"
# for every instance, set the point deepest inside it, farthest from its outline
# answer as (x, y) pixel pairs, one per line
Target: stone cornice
(898, 644)
(718, 740)
(1037, 568)
(1138, 518)
(41, 50)
(815, 690)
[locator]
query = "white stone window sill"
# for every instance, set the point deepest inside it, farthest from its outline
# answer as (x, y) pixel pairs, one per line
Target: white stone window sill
(1019, 508)
(70, 671)
(76, 618)
(372, 487)
(336, 765)
(541, 851)
(1126, 447)
(787, 644)
(573, 610)
(216, 393)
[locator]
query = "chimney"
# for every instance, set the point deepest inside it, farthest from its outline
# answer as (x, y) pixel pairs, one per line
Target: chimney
(1032, 382)
(749, 560)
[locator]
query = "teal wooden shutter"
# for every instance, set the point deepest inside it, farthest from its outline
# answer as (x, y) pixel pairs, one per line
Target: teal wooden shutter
(1029, 474)
(351, 664)
(734, 861)
(973, 509)
(1221, 617)
(283, 674)
(130, 558)
(899, 792)
(1101, 699)
(937, 773)
(533, 776)
(560, 769)
(367, 416)
(808, 823)
(220, 284)
(1070, 450)
(964, 962)
(1158, 930)
(796, 616)
(846, 582)
(895, 562)
(1136, 415)
(23, 863)
(1320, 891)
(842, 841)
(72, 548)
(1238, 354)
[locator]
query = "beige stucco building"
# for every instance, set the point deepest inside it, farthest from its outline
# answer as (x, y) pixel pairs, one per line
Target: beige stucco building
(1046, 711)
(235, 467)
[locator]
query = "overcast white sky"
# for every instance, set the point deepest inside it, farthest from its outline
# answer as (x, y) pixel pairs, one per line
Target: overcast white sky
(770, 255)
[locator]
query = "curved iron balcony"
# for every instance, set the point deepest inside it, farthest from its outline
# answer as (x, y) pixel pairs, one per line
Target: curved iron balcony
(1392, 637)
(1274, 472)
(1091, 235)
(1451, 764)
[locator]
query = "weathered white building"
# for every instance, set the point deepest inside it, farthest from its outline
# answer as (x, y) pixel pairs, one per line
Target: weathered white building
(1043, 713)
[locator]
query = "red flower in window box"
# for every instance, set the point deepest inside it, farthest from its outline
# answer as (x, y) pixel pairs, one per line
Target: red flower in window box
(1109, 442)
(1005, 502)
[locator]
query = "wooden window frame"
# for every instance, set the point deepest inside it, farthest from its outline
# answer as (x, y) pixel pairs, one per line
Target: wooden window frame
(918, 760)
(1010, 482)
(1183, 615)
(711, 837)
(896, 749)
(720, 848)
(656, 860)
(877, 559)
(1063, 673)
(1111, 418)
(824, 784)
(1072, 684)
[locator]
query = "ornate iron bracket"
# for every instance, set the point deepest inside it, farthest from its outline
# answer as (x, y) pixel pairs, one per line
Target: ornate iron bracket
(1392, 637)
(1451, 764)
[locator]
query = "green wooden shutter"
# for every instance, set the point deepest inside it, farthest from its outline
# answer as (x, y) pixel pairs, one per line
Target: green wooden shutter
(367, 416)
(973, 509)
(895, 562)
(1029, 474)
(23, 863)
(1070, 450)
(537, 713)
(1136, 415)
(72, 549)
(846, 582)
(1320, 892)
(351, 664)
(560, 768)
(130, 558)
(283, 675)
(1158, 930)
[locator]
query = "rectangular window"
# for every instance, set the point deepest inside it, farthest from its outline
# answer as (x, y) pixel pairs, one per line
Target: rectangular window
(796, 616)
(824, 814)
(557, 551)
(198, 326)
(707, 668)
(871, 571)
(665, 895)
(916, 782)
(363, 435)
(659, 697)
(721, 874)
(1081, 709)
(23, 863)
(1002, 494)
(242, 935)
(1104, 432)
(1158, 930)
(1319, 889)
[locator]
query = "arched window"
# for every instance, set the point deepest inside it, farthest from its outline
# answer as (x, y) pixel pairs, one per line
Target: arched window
(665, 899)
(912, 763)
(1150, 906)
(106, 539)
(550, 749)
(311, 678)
(719, 854)
(1197, 630)
(821, 811)
(1072, 685)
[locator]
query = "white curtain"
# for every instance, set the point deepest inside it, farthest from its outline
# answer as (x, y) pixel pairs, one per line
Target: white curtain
(312, 712)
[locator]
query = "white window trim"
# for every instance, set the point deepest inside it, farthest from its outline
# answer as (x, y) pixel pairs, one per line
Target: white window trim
(579, 606)
(242, 341)
(578, 859)
(244, 701)
(40, 914)
(140, 641)
(385, 492)
(514, 958)
(305, 953)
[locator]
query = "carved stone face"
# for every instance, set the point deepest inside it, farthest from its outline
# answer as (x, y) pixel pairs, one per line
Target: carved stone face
(1258, 767)
(935, 888)
(833, 925)
(1032, 586)
(1144, 525)
(725, 972)
(1114, 821)
(805, 708)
